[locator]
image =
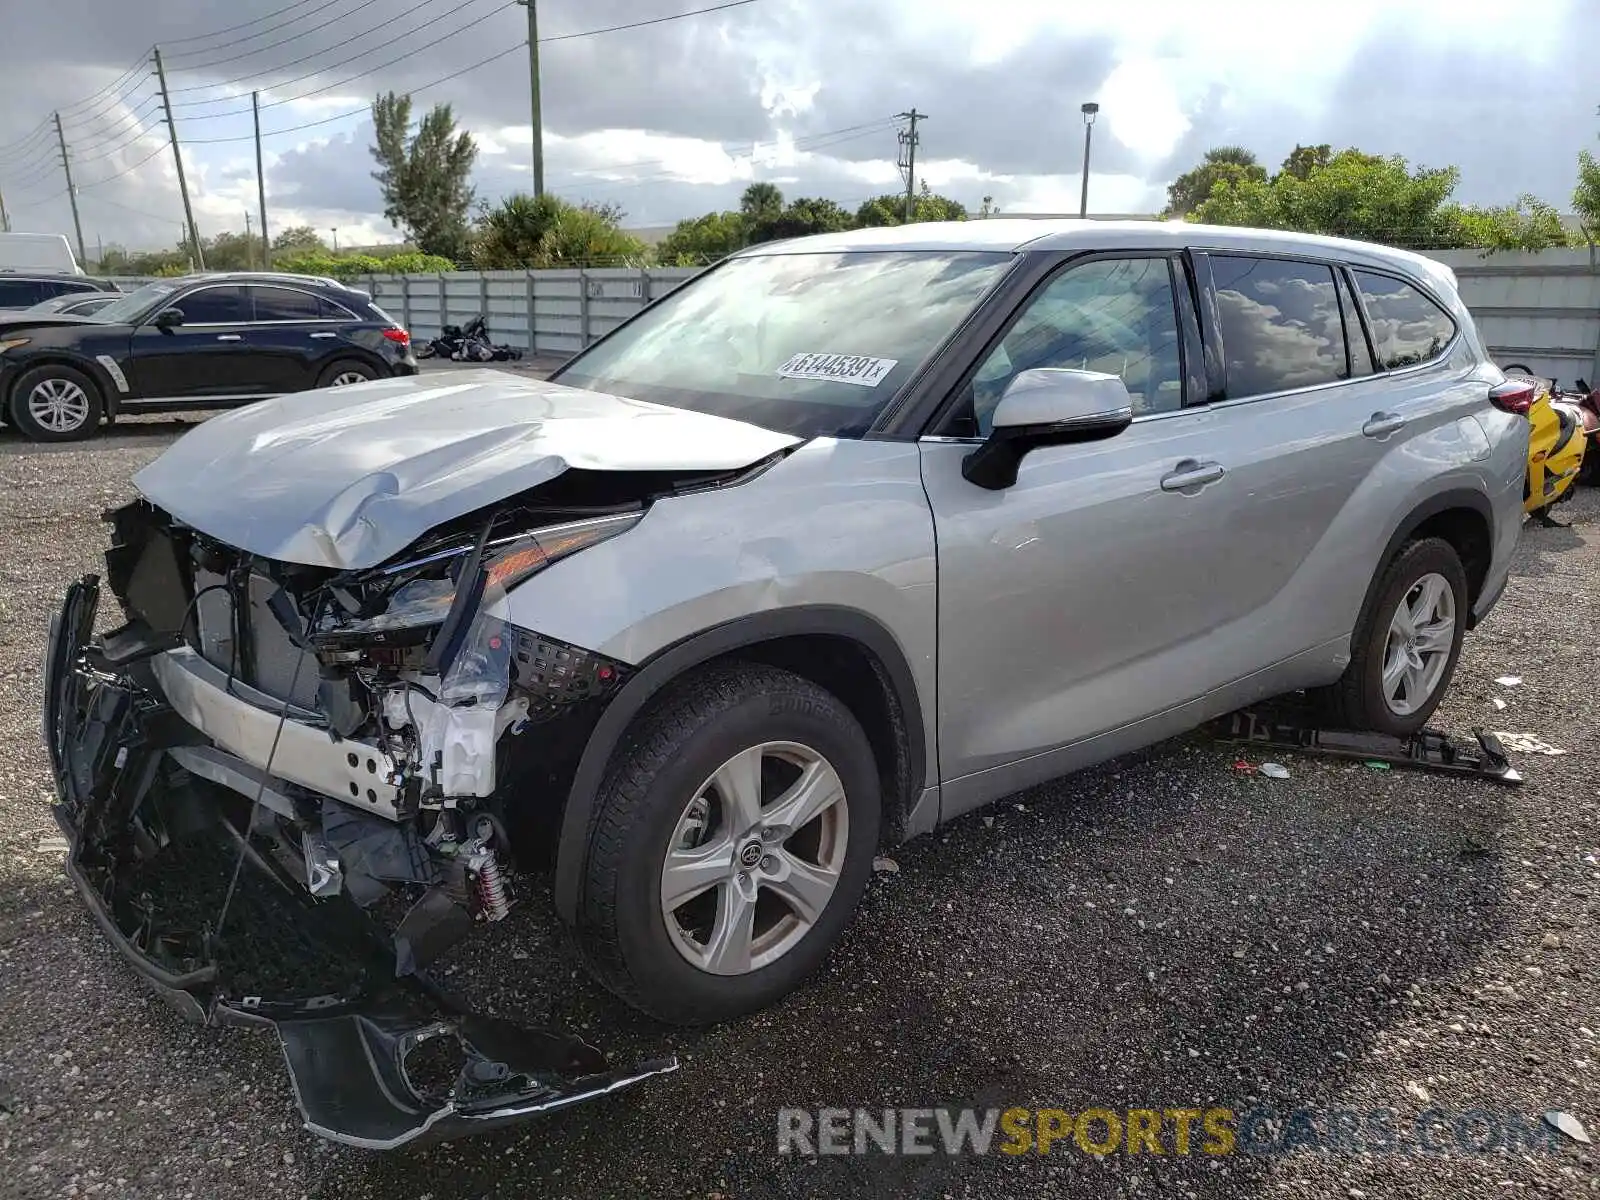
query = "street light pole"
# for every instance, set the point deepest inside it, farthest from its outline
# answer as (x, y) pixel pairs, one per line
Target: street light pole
(1089, 110)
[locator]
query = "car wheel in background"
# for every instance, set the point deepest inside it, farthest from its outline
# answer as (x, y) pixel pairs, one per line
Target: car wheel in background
(1405, 649)
(56, 403)
(734, 838)
(344, 373)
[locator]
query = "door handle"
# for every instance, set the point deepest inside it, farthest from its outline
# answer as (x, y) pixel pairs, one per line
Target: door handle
(1382, 424)
(1191, 474)
(324, 335)
(229, 337)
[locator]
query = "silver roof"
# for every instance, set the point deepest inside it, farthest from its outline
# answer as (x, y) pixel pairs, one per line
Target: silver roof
(1014, 234)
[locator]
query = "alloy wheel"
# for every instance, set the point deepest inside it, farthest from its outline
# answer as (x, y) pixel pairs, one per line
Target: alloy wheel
(755, 858)
(58, 405)
(1417, 651)
(346, 378)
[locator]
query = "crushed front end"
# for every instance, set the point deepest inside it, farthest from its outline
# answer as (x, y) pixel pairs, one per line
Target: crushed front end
(287, 792)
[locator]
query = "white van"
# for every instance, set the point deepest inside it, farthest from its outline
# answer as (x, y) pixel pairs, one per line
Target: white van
(46, 252)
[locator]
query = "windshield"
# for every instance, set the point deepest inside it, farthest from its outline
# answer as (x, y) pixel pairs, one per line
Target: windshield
(125, 310)
(809, 344)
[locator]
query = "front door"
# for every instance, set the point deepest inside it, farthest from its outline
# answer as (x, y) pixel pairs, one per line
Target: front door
(206, 356)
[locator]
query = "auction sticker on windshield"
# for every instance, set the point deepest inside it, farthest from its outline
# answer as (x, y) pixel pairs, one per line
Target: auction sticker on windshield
(841, 368)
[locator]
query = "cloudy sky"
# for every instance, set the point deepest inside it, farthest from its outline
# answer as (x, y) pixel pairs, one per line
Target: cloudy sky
(674, 119)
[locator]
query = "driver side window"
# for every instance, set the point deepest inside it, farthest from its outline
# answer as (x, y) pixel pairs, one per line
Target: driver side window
(1115, 315)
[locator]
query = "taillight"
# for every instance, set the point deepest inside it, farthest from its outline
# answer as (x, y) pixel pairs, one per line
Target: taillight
(398, 336)
(1513, 396)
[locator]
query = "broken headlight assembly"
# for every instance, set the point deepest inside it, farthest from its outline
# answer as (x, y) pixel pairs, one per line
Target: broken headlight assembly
(417, 595)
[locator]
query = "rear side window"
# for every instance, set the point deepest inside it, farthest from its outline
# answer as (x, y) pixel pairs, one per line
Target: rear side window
(1281, 325)
(63, 287)
(19, 293)
(1407, 327)
(284, 304)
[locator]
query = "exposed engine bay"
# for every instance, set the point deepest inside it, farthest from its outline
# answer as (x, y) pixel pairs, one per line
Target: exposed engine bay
(289, 789)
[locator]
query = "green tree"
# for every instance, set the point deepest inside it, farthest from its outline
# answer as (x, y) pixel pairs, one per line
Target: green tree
(424, 175)
(1231, 164)
(298, 239)
(890, 209)
(701, 240)
(1586, 196)
(761, 202)
(230, 251)
(1303, 160)
(1354, 195)
(546, 231)
(800, 218)
(1529, 224)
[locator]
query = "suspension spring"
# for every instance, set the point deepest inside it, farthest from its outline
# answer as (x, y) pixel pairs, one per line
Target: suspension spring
(492, 894)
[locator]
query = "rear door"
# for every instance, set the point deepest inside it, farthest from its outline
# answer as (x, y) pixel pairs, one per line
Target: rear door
(207, 357)
(293, 334)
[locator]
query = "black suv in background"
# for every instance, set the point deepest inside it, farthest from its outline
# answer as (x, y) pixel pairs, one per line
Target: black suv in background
(22, 289)
(201, 341)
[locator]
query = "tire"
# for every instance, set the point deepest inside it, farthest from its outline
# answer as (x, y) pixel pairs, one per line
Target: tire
(56, 403)
(1359, 699)
(660, 795)
(343, 372)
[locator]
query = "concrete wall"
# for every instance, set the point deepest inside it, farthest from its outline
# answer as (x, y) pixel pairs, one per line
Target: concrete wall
(1541, 311)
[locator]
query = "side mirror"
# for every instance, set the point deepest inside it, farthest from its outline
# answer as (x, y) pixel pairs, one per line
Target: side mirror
(1047, 406)
(169, 318)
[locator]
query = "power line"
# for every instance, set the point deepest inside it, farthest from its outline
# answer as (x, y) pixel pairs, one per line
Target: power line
(566, 37)
(115, 85)
(356, 112)
(386, 28)
(294, 37)
(200, 37)
(16, 144)
(126, 171)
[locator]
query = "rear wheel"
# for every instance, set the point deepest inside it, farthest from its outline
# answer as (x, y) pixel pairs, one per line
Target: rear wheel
(1405, 649)
(345, 372)
(56, 403)
(734, 837)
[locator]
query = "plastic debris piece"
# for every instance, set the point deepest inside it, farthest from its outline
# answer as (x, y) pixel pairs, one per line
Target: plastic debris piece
(1508, 680)
(52, 844)
(1526, 743)
(1418, 1092)
(1248, 767)
(886, 866)
(1498, 703)
(1567, 1124)
(1275, 770)
(1376, 765)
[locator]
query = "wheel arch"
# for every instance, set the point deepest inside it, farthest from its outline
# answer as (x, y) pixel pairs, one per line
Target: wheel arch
(841, 649)
(109, 396)
(1462, 517)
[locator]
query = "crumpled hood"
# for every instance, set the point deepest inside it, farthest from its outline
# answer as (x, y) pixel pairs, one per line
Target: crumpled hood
(349, 477)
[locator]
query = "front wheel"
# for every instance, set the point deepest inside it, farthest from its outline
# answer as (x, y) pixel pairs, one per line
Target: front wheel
(56, 403)
(1405, 650)
(734, 837)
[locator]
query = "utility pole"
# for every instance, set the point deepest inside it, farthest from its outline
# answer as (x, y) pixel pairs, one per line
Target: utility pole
(5, 221)
(261, 185)
(72, 192)
(177, 158)
(249, 244)
(533, 95)
(908, 158)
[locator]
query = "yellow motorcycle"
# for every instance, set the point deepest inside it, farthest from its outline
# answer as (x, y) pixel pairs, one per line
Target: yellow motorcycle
(1556, 442)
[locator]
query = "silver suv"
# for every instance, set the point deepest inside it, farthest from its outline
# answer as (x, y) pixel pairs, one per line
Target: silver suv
(845, 538)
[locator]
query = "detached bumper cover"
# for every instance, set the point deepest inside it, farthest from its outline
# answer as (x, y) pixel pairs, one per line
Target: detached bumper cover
(376, 1058)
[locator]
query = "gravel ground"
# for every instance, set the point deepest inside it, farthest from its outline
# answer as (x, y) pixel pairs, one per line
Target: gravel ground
(1160, 932)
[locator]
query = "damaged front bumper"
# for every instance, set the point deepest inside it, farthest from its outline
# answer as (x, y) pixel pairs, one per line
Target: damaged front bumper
(177, 848)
